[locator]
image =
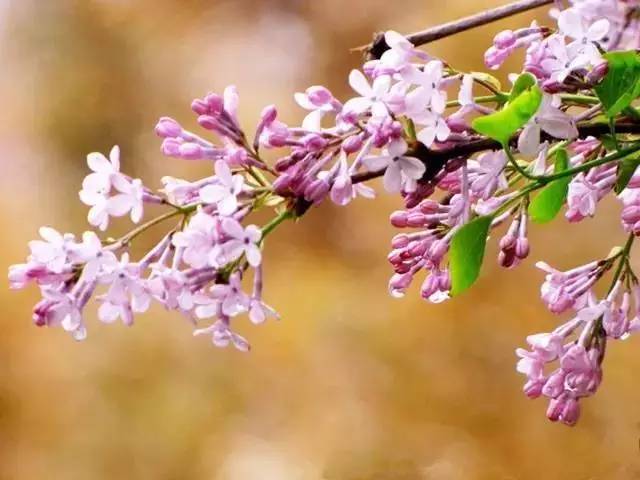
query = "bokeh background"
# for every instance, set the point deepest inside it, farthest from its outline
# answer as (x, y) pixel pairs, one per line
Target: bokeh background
(351, 384)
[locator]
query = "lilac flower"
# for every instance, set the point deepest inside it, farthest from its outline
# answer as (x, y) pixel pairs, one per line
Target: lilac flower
(200, 241)
(586, 190)
(630, 216)
(128, 200)
(222, 336)
(549, 119)
(96, 259)
(398, 57)
(225, 191)
(242, 241)
(401, 170)
(226, 299)
(428, 81)
(372, 95)
(53, 250)
(342, 189)
(63, 310)
(319, 101)
(170, 287)
(97, 185)
(573, 25)
(563, 290)
(486, 174)
(104, 171)
(559, 62)
(127, 293)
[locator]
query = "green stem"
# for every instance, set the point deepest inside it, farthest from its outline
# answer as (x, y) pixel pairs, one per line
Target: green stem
(269, 227)
(483, 99)
(589, 165)
(514, 162)
(580, 99)
(623, 261)
(124, 240)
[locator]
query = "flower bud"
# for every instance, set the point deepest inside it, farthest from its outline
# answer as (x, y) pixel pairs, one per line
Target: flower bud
(319, 95)
(352, 144)
(168, 127)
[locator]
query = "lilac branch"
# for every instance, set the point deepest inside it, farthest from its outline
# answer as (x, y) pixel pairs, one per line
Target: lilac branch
(378, 46)
(435, 160)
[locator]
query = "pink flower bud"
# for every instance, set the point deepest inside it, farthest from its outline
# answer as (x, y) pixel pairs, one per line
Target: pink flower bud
(168, 127)
(199, 106)
(399, 219)
(191, 151)
(400, 241)
(504, 39)
(319, 95)
(215, 103)
(352, 144)
(269, 114)
(170, 147)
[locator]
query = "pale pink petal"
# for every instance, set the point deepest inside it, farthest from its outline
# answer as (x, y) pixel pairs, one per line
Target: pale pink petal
(570, 23)
(598, 30)
(253, 254)
(232, 228)
(98, 163)
(392, 179)
(253, 233)
(108, 313)
(360, 84)
(213, 193)
(119, 205)
(412, 167)
(228, 205)
(377, 163)
(303, 101)
(114, 156)
(223, 172)
(529, 140)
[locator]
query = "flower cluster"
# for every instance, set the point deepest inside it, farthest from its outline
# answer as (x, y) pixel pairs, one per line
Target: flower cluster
(462, 163)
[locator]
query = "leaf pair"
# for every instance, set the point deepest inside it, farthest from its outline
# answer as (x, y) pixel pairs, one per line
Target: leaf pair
(469, 242)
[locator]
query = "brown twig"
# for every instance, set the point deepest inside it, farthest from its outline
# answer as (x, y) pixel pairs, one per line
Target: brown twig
(378, 46)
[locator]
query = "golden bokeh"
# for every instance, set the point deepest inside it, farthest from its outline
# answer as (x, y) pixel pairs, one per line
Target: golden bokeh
(351, 384)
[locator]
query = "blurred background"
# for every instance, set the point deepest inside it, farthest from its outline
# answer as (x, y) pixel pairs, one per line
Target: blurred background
(351, 384)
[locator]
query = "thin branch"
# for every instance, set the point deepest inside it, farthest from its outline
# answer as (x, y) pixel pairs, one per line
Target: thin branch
(435, 160)
(378, 46)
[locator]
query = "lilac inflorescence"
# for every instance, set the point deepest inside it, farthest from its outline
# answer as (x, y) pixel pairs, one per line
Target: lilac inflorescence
(408, 121)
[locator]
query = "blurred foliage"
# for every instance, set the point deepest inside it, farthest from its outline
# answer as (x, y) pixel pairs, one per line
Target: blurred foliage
(351, 384)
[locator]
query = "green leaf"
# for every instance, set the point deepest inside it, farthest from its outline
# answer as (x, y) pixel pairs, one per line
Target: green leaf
(524, 102)
(626, 169)
(467, 252)
(523, 82)
(621, 84)
(547, 204)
